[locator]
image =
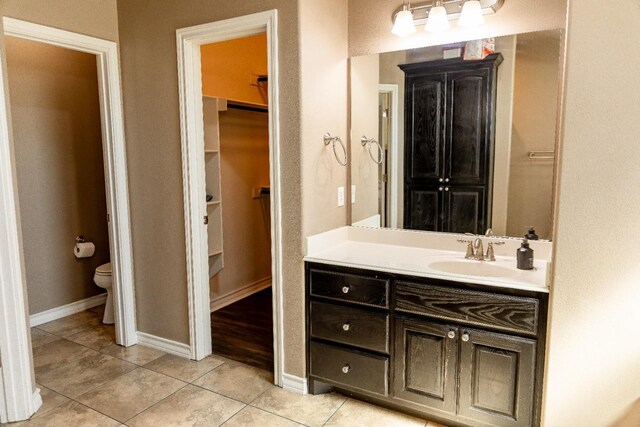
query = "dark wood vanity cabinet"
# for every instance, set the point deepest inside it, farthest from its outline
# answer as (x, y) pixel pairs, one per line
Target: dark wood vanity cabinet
(459, 353)
(449, 144)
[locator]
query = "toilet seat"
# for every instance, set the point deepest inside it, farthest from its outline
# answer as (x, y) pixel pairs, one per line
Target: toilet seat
(104, 270)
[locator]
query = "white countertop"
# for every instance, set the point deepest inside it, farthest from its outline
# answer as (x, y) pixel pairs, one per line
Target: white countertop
(414, 253)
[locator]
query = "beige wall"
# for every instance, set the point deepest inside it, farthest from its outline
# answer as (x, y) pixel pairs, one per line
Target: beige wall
(593, 370)
(370, 25)
(230, 68)
(150, 85)
(534, 129)
(364, 81)
(58, 146)
(246, 222)
(323, 78)
(97, 18)
(504, 110)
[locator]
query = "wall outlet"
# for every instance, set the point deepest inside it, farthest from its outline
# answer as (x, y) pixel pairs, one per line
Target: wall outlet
(353, 194)
(340, 196)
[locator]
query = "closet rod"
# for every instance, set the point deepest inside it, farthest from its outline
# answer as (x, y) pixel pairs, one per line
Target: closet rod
(247, 107)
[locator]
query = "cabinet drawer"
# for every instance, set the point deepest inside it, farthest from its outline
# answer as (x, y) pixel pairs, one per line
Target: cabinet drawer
(350, 287)
(503, 312)
(338, 367)
(351, 326)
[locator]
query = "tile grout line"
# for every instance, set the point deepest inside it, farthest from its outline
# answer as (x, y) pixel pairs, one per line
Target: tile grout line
(336, 411)
(155, 404)
(219, 394)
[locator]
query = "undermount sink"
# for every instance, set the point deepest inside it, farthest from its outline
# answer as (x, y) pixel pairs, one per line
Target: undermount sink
(473, 268)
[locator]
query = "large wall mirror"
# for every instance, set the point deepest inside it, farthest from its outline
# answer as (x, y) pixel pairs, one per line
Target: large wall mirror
(457, 145)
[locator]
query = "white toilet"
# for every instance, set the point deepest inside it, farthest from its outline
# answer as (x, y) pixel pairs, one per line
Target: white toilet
(102, 278)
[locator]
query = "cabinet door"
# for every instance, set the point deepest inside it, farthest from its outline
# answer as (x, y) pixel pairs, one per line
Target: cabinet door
(465, 210)
(497, 377)
(424, 124)
(467, 142)
(425, 364)
(423, 208)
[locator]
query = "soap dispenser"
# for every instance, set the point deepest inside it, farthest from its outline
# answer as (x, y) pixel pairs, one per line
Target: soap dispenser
(525, 256)
(531, 235)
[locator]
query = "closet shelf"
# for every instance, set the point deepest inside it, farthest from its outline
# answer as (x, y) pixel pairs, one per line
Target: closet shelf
(214, 253)
(211, 151)
(213, 203)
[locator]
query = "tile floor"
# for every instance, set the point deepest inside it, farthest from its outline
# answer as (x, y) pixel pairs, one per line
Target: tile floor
(87, 380)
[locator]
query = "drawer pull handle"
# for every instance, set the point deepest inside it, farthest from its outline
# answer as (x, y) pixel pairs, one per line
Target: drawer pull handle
(346, 327)
(465, 337)
(451, 334)
(345, 289)
(346, 369)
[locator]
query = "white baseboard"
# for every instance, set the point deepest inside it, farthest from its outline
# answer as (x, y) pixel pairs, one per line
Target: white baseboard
(295, 384)
(67, 310)
(250, 289)
(163, 344)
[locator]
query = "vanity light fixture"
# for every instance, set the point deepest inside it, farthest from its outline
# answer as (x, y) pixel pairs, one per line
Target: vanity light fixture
(436, 14)
(437, 20)
(471, 14)
(403, 23)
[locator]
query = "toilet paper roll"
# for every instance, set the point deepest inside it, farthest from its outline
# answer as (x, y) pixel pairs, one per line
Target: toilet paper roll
(84, 250)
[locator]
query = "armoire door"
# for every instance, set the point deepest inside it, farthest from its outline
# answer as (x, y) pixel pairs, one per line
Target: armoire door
(464, 209)
(467, 142)
(426, 202)
(424, 110)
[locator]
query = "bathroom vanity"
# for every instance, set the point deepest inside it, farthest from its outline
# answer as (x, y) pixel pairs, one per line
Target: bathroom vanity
(399, 319)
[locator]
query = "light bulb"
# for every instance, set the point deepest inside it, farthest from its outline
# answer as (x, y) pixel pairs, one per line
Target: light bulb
(471, 14)
(404, 25)
(437, 20)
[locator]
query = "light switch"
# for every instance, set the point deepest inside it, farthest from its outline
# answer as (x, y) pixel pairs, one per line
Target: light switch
(340, 196)
(353, 194)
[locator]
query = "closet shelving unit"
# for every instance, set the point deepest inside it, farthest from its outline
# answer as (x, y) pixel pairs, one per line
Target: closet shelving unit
(211, 109)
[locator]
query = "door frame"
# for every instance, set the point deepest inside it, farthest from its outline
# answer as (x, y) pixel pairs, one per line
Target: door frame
(21, 401)
(188, 43)
(394, 151)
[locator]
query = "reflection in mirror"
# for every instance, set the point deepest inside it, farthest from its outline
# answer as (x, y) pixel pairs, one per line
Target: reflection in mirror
(466, 145)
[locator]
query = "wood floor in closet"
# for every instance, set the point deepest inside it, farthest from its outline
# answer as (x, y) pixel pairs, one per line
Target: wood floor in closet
(243, 331)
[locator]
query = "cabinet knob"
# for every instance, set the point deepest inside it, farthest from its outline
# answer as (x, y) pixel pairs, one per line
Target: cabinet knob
(441, 180)
(346, 327)
(465, 337)
(446, 180)
(446, 188)
(451, 334)
(441, 188)
(345, 369)
(345, 289)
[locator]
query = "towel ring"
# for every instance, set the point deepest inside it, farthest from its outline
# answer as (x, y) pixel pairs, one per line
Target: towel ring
(328, 139)
(369, 142)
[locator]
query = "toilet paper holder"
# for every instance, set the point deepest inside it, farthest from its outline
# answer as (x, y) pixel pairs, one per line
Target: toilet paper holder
(79, 239)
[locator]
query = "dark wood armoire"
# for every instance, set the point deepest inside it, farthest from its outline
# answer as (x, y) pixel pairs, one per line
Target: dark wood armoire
(450, 110)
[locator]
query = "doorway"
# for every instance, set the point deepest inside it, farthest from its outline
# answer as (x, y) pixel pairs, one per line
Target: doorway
(20, 400)
(55, 115)
(197, 214)
(235, 87)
